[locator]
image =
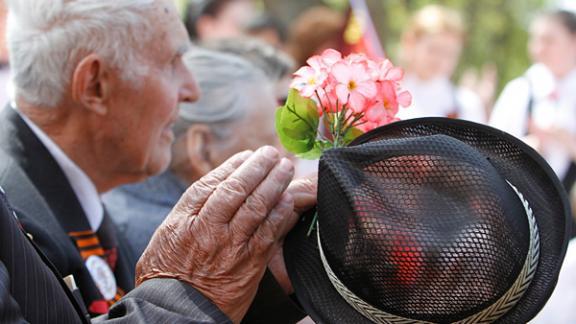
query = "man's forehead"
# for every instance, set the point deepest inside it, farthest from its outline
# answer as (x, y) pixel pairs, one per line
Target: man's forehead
(168, 27)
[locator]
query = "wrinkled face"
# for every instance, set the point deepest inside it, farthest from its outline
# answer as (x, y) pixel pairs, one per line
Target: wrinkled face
(138, 132)
(552, 45)
(254, 130)
(434, 56)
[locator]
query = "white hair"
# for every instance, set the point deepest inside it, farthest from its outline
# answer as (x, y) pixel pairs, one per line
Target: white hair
(48, 38)
(226, 84)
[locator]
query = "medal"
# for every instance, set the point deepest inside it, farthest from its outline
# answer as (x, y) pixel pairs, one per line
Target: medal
(102, 276)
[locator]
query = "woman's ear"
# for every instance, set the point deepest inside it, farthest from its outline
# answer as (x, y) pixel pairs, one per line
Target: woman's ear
(90, 84)
(199, 140)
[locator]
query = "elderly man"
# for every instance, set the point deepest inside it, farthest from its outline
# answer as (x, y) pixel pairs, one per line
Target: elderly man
(236, 95)
(97, 84)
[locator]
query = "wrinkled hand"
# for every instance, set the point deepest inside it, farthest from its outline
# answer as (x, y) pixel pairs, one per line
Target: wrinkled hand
(304, 192)
(223, 231)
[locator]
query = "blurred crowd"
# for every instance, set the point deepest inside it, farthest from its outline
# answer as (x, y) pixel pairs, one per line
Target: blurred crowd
(242, 60)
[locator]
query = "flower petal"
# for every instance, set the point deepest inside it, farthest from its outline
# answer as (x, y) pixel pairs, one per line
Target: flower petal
(395, 74)
(341, 73)
(316, 63)
(368, 89)
(342, 93)
(357, 102)
(331, 56)
(404, 99)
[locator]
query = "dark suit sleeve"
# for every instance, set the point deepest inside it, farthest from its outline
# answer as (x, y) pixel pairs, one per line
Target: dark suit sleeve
(164, 301)
(9, 309)
(272, 305)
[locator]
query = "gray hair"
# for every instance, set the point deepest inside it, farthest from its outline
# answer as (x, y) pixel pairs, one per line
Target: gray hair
(224, 81)
(273, 62)
(47, 38)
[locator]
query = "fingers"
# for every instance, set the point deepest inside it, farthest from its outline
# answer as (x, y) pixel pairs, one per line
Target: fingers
(278, 269)
(304, 191)
(258, 204)
(196, 196)
(230, 194)
(275, 227)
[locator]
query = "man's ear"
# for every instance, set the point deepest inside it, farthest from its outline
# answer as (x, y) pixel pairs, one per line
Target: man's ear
(199, 140)
(90, 84)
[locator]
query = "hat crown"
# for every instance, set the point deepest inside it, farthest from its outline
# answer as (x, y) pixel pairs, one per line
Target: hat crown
(422, 227)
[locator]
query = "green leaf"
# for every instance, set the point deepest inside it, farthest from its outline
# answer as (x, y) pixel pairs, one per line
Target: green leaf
(297, 123)
(316, 151)
(351, 135)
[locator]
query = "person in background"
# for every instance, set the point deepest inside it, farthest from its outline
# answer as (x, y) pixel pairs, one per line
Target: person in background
(5, 85)
(430, 49)
(215, 19)
(314, 31)
(276, 65)
(269, 29)
(234, 113)
(540, 106)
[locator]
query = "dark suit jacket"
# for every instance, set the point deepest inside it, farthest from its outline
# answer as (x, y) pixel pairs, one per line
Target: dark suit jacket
(31, 291)
(46, 206)
(27, 170)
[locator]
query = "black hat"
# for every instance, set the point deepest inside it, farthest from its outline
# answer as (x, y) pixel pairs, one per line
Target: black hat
(430, 220)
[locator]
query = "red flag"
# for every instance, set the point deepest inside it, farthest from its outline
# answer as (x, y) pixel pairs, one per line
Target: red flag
(360, 35)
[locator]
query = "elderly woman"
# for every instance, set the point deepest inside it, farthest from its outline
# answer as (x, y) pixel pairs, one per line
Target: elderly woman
(276, 65)
(235, 113)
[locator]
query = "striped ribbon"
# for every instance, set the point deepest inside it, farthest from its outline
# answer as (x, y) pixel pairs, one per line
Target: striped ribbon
(88, 245)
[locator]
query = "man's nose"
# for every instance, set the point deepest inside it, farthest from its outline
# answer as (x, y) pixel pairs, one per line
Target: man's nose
(189, 91)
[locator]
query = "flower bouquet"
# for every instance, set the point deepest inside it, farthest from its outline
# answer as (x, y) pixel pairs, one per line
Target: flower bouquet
(335, 99)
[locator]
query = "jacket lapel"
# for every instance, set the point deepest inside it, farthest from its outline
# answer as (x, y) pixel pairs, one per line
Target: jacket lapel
(42, 169)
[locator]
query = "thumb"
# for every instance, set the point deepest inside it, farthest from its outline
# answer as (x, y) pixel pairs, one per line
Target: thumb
(304, 191)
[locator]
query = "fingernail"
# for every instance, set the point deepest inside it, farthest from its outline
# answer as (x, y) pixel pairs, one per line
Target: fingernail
(286, 165)
(270, 152)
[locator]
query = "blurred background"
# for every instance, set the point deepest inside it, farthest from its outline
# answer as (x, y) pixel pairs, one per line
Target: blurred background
(497, 30)
(508, 63)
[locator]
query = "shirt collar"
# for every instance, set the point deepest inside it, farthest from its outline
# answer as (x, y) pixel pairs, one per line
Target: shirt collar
(81, 184)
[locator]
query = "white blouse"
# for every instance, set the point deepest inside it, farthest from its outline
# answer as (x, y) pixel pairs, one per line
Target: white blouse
(554, 104)
(440, 98)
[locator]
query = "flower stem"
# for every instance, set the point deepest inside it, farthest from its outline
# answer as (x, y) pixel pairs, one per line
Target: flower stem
(314, 223)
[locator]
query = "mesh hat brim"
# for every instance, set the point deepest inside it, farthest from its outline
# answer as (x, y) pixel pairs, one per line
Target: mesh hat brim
(513, 159)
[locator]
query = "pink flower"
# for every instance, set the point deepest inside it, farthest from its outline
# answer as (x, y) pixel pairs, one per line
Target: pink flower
(354, 86)
(387, 71)
(310, 78)
(391, 99)
(330, 57)
(307, 80)
(404, 98)
(368, 89)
